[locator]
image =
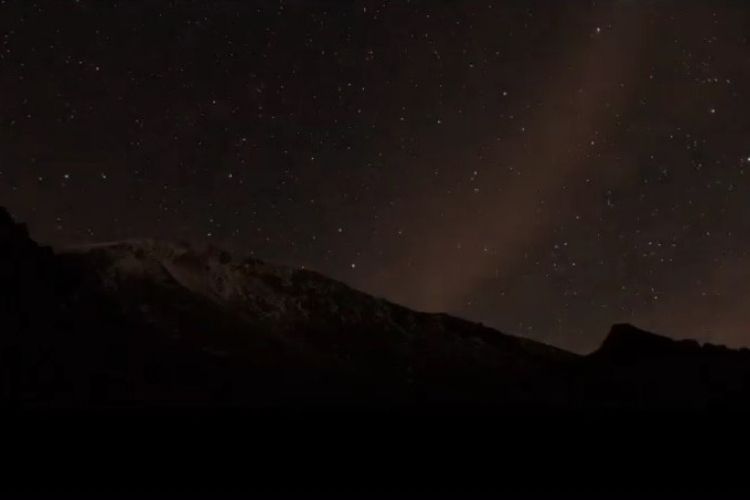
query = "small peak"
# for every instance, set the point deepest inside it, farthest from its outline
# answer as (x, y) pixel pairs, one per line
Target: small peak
(5, 217)
(628, 341)
(9, 228)
(627, 330)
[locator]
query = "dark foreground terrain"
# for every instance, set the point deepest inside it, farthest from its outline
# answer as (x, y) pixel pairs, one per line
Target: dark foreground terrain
(131, 364)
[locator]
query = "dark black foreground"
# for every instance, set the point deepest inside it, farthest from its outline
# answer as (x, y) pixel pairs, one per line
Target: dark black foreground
(194, 454)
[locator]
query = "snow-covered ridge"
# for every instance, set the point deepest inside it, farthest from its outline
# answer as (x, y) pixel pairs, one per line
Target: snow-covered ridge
(293, 300)
(272, 291)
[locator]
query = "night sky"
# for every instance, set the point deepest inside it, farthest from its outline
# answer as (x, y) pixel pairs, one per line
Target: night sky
(546, 168)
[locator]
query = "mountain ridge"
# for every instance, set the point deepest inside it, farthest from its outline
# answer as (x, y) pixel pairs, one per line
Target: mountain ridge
(142, 322)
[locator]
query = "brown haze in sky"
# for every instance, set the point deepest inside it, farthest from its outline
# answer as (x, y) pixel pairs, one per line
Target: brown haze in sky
(535, 176)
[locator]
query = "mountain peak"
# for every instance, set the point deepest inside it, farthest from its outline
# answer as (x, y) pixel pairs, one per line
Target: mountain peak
(5, 217)
(626, 341)
(9, 228)
(16, 246)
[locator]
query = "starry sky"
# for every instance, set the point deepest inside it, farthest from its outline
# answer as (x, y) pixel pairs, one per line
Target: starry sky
(547, 168)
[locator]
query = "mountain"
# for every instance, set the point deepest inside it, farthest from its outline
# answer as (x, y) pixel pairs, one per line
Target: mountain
(152, 324)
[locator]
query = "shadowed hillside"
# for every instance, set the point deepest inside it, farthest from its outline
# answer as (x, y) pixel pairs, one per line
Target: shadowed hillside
(150, 324)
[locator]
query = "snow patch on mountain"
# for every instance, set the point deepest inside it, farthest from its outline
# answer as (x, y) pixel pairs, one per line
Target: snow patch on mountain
(274, 292)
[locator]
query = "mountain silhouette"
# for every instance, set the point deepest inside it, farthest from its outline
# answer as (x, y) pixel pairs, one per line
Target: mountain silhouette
(151, 324)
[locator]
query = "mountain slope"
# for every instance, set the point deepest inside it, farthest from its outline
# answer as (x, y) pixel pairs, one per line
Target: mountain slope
(145, 323)
(269, 316)
(133, 322)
